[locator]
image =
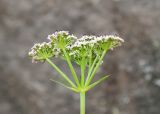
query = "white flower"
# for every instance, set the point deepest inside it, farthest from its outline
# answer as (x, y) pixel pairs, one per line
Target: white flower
(87, 47)
(62, 39)
(55, 35)
(40, 52)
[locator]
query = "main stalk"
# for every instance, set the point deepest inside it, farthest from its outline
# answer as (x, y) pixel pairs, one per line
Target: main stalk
(82, 102)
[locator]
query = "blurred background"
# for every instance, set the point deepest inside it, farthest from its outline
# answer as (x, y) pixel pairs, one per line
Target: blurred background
(134, 85)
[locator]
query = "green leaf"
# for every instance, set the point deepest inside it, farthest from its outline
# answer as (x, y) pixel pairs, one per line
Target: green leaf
(71, 88)
(96, 83)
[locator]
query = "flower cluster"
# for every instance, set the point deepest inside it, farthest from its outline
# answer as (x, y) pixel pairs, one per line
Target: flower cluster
(40, 52)
(61, 39)
(86, 48)
(88, 52)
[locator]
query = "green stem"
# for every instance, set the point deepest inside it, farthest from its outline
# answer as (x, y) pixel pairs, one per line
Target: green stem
(82, 72)
(90, 59)
(96, 68)
(82, 102)
(90, 69)
(71, 68)
(60, 72)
